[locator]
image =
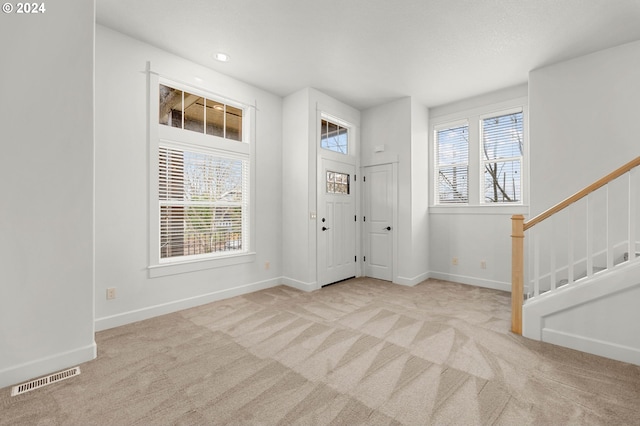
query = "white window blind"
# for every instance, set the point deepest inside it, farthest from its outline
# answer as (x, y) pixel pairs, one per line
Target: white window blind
(502, 150)
(452, 158)
(203, 201)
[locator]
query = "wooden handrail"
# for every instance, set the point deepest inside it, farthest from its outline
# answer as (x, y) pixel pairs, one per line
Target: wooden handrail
(583, 193)
(517, 237)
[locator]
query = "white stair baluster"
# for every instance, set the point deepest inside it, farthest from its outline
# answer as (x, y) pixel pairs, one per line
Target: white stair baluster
(590, 215)
(536, 263)
(552, 253)
(634, 188)
(608, 231)
(570, 242)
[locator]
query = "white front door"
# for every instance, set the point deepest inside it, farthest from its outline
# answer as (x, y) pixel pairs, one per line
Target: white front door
(336, 222)
(378, 221)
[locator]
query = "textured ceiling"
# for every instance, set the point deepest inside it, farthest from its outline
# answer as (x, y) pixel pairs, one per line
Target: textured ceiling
(367, 52)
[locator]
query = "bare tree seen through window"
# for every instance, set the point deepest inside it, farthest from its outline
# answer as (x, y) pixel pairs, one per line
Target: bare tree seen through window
(502, 145)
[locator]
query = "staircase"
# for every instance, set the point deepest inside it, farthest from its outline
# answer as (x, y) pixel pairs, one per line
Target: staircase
(582, 284)
(595, 270)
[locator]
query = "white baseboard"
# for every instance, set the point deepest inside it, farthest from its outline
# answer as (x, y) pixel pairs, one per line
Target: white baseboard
(300, 285)
(592, 346)
(124, 318)
(478, 282)
(44, 366)
(412, 281)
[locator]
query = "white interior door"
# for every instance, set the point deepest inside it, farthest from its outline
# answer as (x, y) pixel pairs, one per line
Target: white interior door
(336, 223)
(378, 221)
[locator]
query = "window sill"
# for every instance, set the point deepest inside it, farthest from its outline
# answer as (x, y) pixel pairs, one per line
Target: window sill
(481, 209)
(186, 266)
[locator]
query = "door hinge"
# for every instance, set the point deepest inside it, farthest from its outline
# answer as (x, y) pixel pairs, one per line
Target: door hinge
(355, 258)
(364, 178)
(364, 218)
(355, 218)
(364, 259)
(355, 178)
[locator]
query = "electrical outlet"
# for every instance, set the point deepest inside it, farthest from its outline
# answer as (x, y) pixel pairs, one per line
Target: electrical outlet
(483, 264)
(267, 265)
(111, 293)
(454, 261)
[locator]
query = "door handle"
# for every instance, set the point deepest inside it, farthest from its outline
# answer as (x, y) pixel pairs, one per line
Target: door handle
(324, 228)
(388, 228)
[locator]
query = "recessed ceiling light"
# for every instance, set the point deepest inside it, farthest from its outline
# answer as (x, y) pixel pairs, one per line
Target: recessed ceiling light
(222, 57)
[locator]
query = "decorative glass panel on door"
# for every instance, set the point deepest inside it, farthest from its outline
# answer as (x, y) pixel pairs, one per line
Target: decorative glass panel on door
(338, 183)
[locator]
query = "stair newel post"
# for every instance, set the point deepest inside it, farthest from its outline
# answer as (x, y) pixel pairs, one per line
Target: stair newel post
(517, 272)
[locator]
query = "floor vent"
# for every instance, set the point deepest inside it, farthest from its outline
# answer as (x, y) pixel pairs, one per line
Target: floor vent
(44, 381)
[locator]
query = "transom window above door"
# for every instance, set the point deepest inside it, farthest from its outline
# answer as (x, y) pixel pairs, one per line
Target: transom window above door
(334, 137)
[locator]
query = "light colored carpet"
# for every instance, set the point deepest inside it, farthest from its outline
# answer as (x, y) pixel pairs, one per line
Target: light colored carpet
(359, 352)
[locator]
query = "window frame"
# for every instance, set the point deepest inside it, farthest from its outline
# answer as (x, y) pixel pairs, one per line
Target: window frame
(446, 117)
(483, 161)
(436, 166)
(243, 203)
(340, 123)
(166, 136)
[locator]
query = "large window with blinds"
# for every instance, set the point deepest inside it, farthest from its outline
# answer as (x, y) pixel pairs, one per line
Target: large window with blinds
(479, 157)
(202, 203)
(203, 174)
(502, 143)
(452, 163)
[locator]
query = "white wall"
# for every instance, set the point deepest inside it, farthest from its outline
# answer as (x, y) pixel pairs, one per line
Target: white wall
(46, 213)
(298, 263)
(300, 157)
(400, 126)
(420, 158)
(584, 121)
(122, 174)
(474, 233)
(584, 124)
(472, 238)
